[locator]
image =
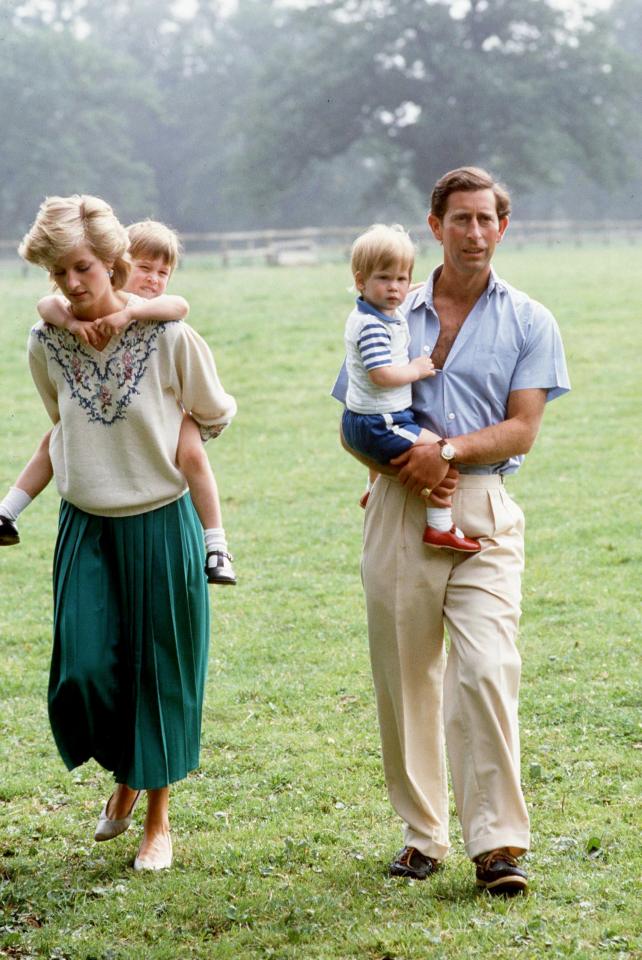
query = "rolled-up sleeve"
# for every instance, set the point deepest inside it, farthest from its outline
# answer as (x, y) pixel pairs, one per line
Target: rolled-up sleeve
(541, 361)
(197, 384)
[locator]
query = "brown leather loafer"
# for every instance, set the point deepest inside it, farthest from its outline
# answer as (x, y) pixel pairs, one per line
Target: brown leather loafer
(499, 874)
(414, 864)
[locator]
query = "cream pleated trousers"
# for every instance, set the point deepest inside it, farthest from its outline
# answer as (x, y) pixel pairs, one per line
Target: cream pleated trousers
(467, 694)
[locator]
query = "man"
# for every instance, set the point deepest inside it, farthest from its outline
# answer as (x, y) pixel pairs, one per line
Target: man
(499, 358)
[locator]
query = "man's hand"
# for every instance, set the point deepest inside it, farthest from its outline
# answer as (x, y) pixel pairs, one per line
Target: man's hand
(421, 466)
(442, 494)
(423, 367)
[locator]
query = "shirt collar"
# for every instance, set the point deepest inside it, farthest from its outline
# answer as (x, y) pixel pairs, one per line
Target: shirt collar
(364, 307)
(423, 296)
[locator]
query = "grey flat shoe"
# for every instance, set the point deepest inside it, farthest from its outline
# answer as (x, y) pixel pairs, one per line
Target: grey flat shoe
(107, 829)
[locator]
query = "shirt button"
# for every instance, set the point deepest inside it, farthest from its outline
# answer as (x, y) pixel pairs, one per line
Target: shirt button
(451, 416)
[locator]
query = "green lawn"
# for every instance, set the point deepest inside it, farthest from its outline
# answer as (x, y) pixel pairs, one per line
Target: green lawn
(282, 838)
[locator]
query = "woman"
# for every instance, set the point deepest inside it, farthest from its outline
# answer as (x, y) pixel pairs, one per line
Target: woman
(130, 602)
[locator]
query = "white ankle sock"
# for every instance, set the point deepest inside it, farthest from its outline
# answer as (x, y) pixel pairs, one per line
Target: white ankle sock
(215, 539)
(14, 503)
(440, 518)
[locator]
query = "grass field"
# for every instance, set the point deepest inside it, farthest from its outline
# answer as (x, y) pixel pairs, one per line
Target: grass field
(282, 837)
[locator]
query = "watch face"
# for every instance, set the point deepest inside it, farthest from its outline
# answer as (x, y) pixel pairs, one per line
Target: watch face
(448, 451)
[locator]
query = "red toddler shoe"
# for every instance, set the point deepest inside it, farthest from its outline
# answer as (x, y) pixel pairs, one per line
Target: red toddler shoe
(452, 539)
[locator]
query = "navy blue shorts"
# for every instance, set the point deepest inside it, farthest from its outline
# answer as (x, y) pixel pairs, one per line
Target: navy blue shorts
(380, 436)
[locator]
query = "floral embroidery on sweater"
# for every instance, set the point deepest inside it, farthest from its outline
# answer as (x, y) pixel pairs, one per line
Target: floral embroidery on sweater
(106, 386)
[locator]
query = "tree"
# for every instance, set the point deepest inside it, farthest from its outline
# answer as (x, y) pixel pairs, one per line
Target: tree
(582, 192)
(66, 109)
(508, 84)
(626, 19)
(183, 74)
(265, 114)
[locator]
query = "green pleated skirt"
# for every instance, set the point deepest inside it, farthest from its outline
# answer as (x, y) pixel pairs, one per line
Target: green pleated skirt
(131, 630)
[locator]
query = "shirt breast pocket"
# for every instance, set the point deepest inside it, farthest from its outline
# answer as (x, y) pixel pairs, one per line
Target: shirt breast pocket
(495, 361)
(501, 352)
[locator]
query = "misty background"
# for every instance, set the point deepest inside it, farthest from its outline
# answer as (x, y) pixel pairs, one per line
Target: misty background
(261, 114)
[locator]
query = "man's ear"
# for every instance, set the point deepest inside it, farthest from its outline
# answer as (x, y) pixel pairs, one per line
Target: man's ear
(435, 226)
(503, 224)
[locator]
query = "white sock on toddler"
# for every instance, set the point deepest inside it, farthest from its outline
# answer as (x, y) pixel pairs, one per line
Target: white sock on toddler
(14, 503)
(215, 539)
(439, 518)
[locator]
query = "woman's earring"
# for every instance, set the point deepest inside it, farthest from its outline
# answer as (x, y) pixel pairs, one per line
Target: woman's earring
(110, 273)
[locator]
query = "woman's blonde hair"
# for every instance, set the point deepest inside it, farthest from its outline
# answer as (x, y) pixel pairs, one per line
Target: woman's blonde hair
(64, 223)
(380, 248)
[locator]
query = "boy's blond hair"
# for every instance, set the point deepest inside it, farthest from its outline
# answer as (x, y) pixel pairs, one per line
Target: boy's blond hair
(150, 238)
(64, 223)
(381, 247)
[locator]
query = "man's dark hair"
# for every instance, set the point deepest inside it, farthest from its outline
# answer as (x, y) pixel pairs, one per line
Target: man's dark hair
(469, 179)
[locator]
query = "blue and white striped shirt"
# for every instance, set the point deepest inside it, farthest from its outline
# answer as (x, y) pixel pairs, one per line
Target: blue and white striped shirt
(374, 344)
(507, 342)
(373, 340)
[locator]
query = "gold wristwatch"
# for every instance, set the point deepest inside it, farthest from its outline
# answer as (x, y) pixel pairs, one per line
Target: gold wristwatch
(447, 450)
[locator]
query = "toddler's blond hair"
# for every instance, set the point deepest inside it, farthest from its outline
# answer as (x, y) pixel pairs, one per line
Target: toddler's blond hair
(150, 238)
(381, 247)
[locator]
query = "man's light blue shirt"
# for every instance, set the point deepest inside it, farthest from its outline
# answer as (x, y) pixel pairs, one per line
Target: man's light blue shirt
(507, 342)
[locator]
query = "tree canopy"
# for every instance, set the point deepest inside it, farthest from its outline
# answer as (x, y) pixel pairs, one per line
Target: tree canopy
(67, 114)
(276, 115)
(506, 84)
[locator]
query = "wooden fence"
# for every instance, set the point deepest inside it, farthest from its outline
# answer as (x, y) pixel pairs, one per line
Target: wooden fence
(312, 244)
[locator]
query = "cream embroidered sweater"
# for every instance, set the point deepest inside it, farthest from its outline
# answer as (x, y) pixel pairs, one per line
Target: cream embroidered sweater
(118, 412)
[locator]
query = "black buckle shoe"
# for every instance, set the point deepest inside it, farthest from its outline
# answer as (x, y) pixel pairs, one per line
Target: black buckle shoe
(412, 863)
(8, 532)
(499, 874)
(218, 567)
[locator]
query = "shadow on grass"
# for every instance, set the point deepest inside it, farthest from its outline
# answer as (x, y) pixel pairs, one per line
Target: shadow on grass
(453, 883)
